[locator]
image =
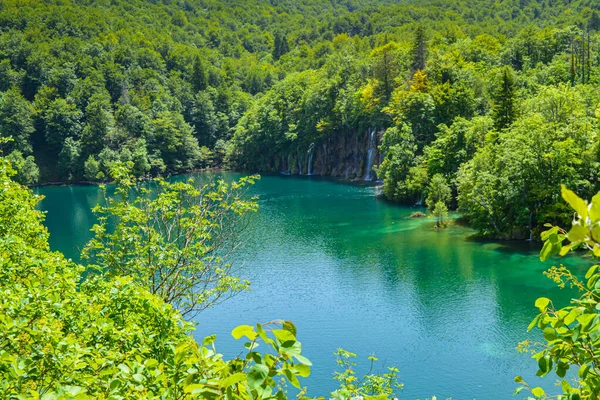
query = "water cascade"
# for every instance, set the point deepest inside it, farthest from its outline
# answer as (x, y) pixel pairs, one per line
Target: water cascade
(370, 155)
(283, 169)
(299, 165)
(309, 156)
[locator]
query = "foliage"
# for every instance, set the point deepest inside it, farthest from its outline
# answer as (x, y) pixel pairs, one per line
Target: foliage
(256, 85)
(174, 239)
(440, 213)
(570, 333)
(370, 386)
(27, 172)
(64, 336)
(505, 109)
(438, 192)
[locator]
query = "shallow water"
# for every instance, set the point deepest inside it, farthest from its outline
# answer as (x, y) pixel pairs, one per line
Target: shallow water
(356, 272)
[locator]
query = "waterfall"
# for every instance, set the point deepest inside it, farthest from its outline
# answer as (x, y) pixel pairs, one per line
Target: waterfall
(299, 165)
(284, 171)
(370, 155)
(309, 156)
(420, 202)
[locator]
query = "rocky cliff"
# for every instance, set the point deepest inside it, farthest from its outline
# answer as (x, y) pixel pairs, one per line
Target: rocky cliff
(349, 155)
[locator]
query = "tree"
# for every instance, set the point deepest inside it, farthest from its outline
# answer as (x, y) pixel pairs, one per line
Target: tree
(173, 238)
(16, 121)
(398, 148)
(416, 107)
(100, 124)
(68, 159)
(419, 50)
(570, 334)
(199, 76)
(440, 212)
(174, 139)
(141, 164)
(27, 172)
(91, 168)
(204, 118)
(505, 108)
(280, 46)
(62, 120)
(385, 69)
(438, 191)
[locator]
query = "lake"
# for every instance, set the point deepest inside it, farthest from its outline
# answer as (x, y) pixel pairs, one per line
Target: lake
(353, 271)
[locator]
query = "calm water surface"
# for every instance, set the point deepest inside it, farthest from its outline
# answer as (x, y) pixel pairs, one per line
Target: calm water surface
(355, 272)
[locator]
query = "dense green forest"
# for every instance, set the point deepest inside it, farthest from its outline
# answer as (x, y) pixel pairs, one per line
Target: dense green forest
(496, 97)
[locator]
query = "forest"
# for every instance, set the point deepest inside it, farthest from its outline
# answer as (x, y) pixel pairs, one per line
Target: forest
(484, 107)
(497, 102)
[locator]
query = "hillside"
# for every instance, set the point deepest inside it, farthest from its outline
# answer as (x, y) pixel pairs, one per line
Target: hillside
(266, 86)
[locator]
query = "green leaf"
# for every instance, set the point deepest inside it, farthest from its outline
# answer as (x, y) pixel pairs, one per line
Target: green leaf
(594, 208)
(518, 390)
(546, 251)
(546, 234)
(571, 316)
(575, 202)
(209, 340)
(596, 232)
(244, 330)
(591, 272)
(586, 319)
(542, 304)
(289, 326)
(284, 336)
(519, 379)
(545, 364)
(303, 360)
(115, 384)
(561, 370)
(583, 371)
(302, 370)
(193, 389)
(577, 233)
(565, 250)
(292, 378)
(549, 334)
(233, 379)
(566, 387)
(538, 392)
(257, 375)
(533, 323)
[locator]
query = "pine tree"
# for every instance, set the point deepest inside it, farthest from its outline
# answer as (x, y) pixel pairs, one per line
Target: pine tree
(505, 110)
(419, 51)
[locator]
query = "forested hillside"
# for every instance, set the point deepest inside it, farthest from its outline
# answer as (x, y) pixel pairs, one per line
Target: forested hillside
(486, 107)
(498, 98)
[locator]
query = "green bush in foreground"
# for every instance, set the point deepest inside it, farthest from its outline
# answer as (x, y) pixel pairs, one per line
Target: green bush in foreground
(108, 337)
(571, 334)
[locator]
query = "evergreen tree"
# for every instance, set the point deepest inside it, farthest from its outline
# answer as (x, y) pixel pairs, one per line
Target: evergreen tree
(505, 109)
(419, 50)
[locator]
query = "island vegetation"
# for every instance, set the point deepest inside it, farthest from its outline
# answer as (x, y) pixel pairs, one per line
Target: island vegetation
(480, 106)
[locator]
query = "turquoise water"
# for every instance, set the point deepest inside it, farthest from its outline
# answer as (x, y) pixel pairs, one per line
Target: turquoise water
(355, 272)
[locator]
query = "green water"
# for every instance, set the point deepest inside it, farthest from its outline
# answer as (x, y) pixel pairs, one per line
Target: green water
(355, 272)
